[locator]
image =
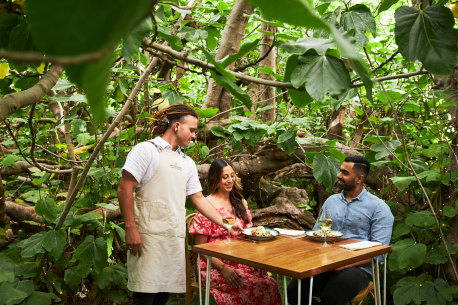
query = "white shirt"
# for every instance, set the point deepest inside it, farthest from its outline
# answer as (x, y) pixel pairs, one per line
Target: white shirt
(143, 160)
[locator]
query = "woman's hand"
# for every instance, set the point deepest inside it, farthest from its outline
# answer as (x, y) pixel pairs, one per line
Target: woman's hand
(232, 277)
(235, 229)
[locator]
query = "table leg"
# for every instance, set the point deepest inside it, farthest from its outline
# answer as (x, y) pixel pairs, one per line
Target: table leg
(199, 278)
(310, 290)
(285, 289)
(376, 280)
(207, 281)
(385, 262)
(377, 267)
(299, 291)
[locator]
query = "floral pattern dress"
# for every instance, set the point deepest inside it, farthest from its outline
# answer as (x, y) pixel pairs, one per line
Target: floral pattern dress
(258, 287)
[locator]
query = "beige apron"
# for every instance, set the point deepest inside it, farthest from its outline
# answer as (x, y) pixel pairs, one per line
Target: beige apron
(160, 217)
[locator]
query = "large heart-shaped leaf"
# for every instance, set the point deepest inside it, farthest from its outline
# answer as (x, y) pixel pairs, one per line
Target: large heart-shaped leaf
(427, 36)
(302, 45)
(382, 150)
(325, 170)
(287, 140)
(91, 252)
(54, 242)
(406, 253)
(359, 19)
(294, 12)
(298, 98)
(322, 74)
(134, 39)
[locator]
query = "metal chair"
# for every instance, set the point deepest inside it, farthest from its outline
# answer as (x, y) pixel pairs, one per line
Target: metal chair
(192, 286)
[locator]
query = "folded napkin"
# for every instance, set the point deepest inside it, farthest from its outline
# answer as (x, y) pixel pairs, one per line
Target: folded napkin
(360, 245)
(289, 232)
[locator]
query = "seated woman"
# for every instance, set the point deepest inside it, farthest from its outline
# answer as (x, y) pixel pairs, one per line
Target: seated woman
(231, 283)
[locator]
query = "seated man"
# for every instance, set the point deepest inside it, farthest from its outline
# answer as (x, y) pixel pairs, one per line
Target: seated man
(360, 216)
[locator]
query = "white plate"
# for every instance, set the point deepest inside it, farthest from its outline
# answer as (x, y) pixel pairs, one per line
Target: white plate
(247, 232)
(316, 236)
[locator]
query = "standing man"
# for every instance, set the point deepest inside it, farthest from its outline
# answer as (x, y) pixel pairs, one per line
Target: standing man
(359, 215)
(160, 176)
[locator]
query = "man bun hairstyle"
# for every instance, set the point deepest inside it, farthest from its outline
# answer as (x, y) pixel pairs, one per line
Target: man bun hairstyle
(361, 164)
(165, 118)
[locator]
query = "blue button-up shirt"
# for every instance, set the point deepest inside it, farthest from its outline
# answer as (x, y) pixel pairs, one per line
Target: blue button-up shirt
(366, 217)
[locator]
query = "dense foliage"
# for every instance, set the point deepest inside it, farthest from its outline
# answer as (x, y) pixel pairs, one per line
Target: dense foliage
(381, 63)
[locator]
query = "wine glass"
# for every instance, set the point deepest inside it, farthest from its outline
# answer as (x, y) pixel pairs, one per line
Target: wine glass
(325, 222)
(229, 222)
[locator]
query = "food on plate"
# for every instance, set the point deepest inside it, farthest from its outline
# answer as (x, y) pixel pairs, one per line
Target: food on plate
(260, 231)
(320, 233)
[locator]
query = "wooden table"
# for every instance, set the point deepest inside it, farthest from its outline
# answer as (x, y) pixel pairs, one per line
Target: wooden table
(298, 258)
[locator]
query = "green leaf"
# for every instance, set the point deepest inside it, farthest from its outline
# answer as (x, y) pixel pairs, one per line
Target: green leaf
(134, 39)
(93, 78)
(207, 112)
(385, 5)
(9, 160)
(85, 254)
(436, 255)
(173, 40)
(322, 75)
(219, 67)
(54, 242)
(403, 182)
(41, 298)
(100, 254)
(401, 230)
(359, 19)
(406, 253)
(26, 82)
(381, 150)
(407, 290)
(303, 14)
(32, 245)
(52, 23)
(437, 150)
(299, 99)
(287, 140)
(449, 211)
(232, 87)
(7, 23)
(72, 278)
(218, 131)
(204, 151)
(10, 295)
(325, 170)
(360, 67)
(173, 97)
(6, 276)
(192, 34)
(422, 219)
(427, 36)
(47, 208)
(115, 273)
(302, 45)
(212, 38)
(243, 51)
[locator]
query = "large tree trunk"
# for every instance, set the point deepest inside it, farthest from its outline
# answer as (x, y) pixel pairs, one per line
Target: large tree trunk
(231, 39)
(267, 92)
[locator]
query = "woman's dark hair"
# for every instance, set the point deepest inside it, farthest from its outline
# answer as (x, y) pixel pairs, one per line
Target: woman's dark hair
(235, 196)
(165, 118)
(361, 164)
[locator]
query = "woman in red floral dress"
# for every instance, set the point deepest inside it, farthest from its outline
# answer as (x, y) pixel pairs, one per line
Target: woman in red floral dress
(231, 283)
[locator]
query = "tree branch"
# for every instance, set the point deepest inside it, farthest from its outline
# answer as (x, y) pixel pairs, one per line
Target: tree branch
(13, 101)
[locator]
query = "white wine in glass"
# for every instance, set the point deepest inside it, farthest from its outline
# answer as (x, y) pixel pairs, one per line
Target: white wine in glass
(325, 222)
(229, 222)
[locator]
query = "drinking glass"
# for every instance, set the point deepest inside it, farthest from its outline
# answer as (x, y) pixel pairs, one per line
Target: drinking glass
(325, 222)
(229, 222)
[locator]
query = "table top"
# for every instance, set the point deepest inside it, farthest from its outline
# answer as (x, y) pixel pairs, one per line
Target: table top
(295, 257)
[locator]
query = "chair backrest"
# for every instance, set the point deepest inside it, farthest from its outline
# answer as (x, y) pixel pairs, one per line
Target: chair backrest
(189, 241)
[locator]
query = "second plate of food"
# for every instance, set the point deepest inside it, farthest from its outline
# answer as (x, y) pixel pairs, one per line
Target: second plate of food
(260, 233)
(318, 235)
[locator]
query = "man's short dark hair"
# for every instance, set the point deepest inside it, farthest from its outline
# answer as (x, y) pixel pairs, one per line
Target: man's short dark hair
(361, 164)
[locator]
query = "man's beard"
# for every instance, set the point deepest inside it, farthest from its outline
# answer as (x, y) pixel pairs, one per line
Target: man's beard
(346, 186)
